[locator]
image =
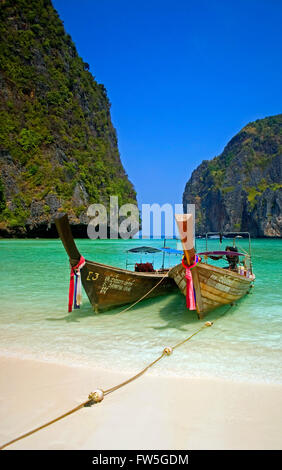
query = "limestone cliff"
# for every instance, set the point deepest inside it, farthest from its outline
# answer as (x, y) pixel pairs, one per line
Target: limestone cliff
(58, 147)
(241, 189)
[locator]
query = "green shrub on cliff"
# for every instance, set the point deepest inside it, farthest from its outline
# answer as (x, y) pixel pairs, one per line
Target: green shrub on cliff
(2, 197)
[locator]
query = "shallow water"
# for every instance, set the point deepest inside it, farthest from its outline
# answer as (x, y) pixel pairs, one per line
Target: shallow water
(243, 344)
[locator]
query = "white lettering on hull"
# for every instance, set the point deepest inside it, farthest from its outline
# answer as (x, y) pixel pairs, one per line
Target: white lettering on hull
(114, 282)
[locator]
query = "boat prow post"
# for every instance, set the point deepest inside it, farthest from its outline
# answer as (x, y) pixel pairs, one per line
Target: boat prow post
(65, 234)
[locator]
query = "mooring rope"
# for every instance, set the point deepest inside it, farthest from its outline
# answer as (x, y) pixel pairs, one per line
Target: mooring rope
(98, 395)
(45, 425)
(147, 293)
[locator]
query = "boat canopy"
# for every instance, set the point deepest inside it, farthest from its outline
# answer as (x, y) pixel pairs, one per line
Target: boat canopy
(143, 249)
(172, 250)
(207, 253)
(222, 253)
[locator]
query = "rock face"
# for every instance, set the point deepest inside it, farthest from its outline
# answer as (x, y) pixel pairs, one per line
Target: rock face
(241, 189)
(58, 147)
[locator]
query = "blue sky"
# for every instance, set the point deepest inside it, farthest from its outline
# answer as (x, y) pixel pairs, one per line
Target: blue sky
(183, 77)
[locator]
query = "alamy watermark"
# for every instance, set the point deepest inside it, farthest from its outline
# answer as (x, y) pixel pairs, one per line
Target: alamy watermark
(155, 220)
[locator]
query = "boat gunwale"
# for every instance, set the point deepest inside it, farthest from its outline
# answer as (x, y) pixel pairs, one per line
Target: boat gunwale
(127, 271)
(226, 272)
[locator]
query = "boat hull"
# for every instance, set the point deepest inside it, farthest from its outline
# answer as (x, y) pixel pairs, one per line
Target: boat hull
(109, 287)
(214, 286)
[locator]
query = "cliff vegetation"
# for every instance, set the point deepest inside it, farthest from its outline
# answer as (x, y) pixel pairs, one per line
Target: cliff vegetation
(58, 147)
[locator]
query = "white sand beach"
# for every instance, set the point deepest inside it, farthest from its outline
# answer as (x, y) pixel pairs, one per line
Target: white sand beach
(149, 413)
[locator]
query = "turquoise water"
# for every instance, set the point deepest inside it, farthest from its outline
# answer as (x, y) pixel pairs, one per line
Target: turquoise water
(244, 344)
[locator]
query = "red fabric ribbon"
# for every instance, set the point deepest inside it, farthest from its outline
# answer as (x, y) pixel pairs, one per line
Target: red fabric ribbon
(190, 296)
(72, 274)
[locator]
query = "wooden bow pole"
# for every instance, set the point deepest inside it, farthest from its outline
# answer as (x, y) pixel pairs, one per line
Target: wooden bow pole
(186, 231)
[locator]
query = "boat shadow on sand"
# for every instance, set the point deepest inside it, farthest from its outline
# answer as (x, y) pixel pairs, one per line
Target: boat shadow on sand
(87, 311)
(171, 309)
(177, 316)
(176, 306)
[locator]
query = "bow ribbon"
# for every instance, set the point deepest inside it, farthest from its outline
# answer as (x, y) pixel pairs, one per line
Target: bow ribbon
(190, 292)
(75, 295)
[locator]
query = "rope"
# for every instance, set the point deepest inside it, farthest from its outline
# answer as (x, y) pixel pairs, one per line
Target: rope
(98, 395)
(45, 425)
(110, 390)
(147, 293)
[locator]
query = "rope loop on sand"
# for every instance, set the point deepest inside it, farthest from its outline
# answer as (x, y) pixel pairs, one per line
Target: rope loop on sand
(98, 395)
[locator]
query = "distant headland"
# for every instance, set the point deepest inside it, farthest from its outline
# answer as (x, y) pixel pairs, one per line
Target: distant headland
(241, 189)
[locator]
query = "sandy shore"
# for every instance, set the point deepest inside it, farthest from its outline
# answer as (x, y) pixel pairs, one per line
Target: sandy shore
(150, 413)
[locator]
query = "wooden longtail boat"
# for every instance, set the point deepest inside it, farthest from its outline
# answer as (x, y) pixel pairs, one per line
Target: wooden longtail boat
(107, 286)
(213, 286)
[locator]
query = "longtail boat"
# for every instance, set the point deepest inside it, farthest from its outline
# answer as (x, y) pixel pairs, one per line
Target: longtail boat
(108, 286)
(206, 286)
